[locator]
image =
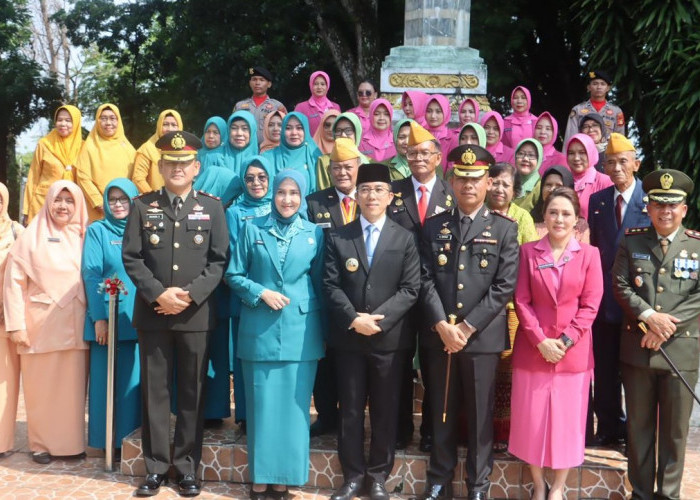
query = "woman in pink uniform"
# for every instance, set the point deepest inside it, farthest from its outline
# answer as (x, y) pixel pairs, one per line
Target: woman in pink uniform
(581, 158)
(44, 316)
(521, 123)
(318, 103)
(560, 285)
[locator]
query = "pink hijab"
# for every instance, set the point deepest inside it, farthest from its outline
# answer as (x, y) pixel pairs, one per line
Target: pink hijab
(550, 156)
(379, 144)
(50, 254)
(519, 125)
(590, 180)
(475, 104)
(441, 132)
(420, 103)
(322, 103)
(500, 152)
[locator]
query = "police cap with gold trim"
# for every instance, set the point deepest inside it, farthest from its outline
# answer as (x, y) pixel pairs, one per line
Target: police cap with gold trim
(178, 145)
(470, 160)
(667, 186)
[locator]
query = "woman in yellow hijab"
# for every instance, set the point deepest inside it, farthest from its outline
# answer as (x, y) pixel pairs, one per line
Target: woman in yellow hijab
(54, 159)
(106, 155)
(146, 174)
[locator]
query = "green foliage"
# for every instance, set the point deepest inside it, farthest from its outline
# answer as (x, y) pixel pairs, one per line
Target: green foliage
(652, 50)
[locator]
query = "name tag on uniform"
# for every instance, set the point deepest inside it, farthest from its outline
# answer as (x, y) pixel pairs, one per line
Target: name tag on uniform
(259, 242)
(115, 242)
(154, 216)
(54, 240)
(545, 266)
(198, 216)
(324, 225)
(444, 237)
(642, 256)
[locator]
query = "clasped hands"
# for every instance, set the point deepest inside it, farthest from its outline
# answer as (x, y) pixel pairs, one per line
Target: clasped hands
(660, 328)
(454, 337)
(173, 300)
(367, 324)
(552, 350)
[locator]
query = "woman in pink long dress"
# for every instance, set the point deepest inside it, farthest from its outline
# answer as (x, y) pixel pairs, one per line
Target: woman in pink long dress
(318, 103)
(521, 123)
(45, 315)
(581, 157)
(560, 285)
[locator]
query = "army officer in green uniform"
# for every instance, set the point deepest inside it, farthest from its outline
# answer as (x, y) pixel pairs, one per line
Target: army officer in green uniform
(655, 280)
(175, 249)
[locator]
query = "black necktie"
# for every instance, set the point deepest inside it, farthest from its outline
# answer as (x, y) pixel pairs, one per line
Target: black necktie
(177, 205)
(465, 222)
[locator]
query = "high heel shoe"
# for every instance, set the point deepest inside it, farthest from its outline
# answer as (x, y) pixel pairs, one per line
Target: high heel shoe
(279, 495)
(546, 492)
(258, 495)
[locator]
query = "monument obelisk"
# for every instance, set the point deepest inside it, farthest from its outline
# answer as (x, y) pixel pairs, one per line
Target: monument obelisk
(435, 57)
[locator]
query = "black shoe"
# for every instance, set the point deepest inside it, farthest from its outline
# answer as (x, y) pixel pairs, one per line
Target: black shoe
(319, 428)
(435, 491)
(188, 485)
(151, 485)
(601, 440)
(279, 495)
(378, 491)
(213, 423)
(258, 495)
(41, 458)
(348, 491)
(402, 442)
(477, 495)
(242, 427)
(426, 443)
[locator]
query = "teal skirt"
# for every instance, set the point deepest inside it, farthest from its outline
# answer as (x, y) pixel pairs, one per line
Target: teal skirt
(278, 400)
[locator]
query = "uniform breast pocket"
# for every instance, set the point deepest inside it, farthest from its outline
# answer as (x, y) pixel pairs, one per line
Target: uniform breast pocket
(484, 259)
(197, 234)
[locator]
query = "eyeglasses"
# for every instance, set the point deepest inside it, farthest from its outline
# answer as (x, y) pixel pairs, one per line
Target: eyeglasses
(364, 93)
(124, 200)
(347, 131)
(590, 126)
(249, 179)
(366, 190)
(420, 155)
(526, 156)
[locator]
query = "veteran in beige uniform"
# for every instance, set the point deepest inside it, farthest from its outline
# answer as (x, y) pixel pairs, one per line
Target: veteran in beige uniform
(655, 280)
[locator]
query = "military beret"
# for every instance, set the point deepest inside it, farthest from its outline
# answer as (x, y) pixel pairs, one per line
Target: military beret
(667, 185)
(260, 71)
(178, 146)
(602, 75)
(470, 160)
(373, 172)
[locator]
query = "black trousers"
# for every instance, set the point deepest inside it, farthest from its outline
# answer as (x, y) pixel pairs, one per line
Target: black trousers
(472, 382)
(159, 351)
(377, 376)
(326, 389)
(607, 384)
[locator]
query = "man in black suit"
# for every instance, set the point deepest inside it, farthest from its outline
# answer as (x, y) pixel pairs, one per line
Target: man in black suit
(416, 198)
(331, 208)
(175, 248)
(469, 266)
(371, 280)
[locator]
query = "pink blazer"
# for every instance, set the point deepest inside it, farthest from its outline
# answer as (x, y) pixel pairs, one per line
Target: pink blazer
(542, 313)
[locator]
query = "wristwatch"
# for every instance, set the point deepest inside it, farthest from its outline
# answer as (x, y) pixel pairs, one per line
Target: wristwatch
(566, 340)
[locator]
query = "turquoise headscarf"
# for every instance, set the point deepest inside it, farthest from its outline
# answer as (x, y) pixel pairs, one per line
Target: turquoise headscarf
(234, 158)
(219, 181)
(298, 178)
(302, 158)
(248, 201)
(213, 156)
(114, 225)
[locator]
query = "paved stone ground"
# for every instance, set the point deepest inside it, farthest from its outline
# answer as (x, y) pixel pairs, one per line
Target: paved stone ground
(21, 478)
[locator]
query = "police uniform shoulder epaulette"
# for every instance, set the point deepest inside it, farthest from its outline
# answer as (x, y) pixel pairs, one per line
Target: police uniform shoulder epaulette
(208, 194)
(693, 234)
(442, 214)
(141, 195)
(636, 230)
(508, 217)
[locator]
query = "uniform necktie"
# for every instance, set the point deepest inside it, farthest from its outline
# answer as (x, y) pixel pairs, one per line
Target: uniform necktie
(370, 243)
(465, 222)
(177, 205)
(348, 203)
(664, 245)
(618, 210)
(422, 203)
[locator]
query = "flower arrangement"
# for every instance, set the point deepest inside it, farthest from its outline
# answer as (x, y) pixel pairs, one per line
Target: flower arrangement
(113, 286)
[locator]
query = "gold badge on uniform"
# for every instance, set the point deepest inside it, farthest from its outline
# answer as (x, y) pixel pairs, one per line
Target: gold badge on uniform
(327, 215)
(448, 200)
(694, 255)
(484, 263)
(486, 233)
(198, 239)
(398, 202)
(468, 157)
(638, 281)
(444, 230)
(319, 215)
(351, 264)
(666, 181)
(178, 142)
(684, 254)
(442, 259)
(154, 239)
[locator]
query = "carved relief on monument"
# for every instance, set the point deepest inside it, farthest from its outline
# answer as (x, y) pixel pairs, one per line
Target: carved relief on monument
(423, 81)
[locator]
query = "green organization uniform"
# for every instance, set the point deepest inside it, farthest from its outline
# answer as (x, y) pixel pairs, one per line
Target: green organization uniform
(187, 249)
(647, 281)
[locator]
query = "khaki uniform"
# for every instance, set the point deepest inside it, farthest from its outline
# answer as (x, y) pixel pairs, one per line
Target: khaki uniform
(644, 278)
(268, 106)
